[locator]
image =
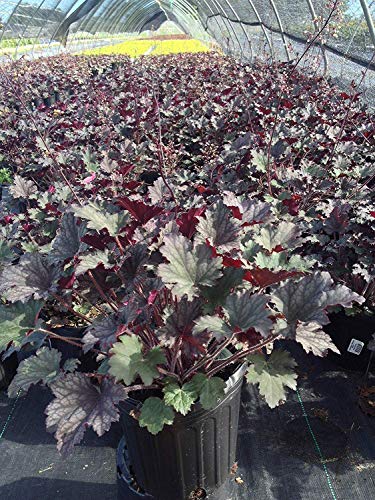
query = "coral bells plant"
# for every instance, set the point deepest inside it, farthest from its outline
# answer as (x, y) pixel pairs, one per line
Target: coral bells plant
(173, 301)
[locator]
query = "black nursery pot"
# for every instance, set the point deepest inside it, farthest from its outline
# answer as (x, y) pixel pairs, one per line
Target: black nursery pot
(4, 192)
(8, 369)
(195, 452)
(351, 335)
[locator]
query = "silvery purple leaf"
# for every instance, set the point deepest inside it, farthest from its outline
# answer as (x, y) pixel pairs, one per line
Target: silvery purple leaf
(158, 191)
(22, 188)
(251, 210)
(285, 234)
(306, 300)
(218, 227)
(189, 268)
(337, 220)
(99, 218)
(16, 320)
(79, 404)
(44, 366)
(246, 310)
(104, 331)
(92, 260)
(33, 277)
(214, 325)
(181, 319)
(254, 211)
(135, 260)
(67, 242)
(314, 339)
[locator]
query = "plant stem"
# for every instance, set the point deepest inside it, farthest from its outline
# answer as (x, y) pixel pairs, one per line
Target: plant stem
(228, 341)
(141, 387)
(176, 352)
(240, 355)
(69, 308)
(68, 341)
(119, 245)
(101, 292)
(161, 152)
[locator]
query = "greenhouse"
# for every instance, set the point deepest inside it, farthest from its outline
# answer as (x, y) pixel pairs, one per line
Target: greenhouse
(187, 249)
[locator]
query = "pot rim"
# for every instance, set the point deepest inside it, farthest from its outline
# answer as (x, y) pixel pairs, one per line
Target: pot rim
(197, 412)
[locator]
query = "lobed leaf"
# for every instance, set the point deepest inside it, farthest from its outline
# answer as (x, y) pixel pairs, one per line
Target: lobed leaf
(22, 188)
(306, 300)
(209, 390)
(155, 414)
(16, 320)
(214, 325)
(127, 361)
(314, 339)
(92, 261)
(246, 310)
(180, 398)
(98, 218)
(286, 235)
(218, 227)
(67, 242)
(43, 367)
(189, 268)
(181, 320)
(105, 330)
(273, 375)
(79, 404)
(33, 276)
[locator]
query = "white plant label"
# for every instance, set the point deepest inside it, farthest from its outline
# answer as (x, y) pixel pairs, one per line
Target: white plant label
(355, 346)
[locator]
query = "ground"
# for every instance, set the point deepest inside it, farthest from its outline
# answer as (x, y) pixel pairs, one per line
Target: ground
(278, 458)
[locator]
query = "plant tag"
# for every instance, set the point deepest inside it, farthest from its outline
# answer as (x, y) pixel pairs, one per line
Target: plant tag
(355, 346)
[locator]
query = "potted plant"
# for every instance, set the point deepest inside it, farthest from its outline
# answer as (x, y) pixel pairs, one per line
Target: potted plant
(5, 181)
(346, 250)
(183, 313)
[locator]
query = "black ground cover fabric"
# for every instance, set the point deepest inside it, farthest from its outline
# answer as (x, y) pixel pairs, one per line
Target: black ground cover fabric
(277, 456)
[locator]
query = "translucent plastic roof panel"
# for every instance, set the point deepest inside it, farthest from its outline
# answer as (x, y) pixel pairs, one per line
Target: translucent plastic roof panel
(277, 29)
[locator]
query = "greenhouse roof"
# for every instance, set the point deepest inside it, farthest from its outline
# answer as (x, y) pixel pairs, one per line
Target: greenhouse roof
(277, 29)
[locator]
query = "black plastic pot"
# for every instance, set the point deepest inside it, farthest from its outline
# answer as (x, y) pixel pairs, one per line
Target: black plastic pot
(351, 335)
(4, 192)
(8, 369)
(47, 101)
(196, 452)
(38, 101)
(126, 485)
(149, 177)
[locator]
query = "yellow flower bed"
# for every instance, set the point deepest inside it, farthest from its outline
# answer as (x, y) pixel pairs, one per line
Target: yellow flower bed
(135, 48)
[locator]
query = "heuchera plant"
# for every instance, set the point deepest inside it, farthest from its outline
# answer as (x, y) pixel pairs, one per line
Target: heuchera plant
(191, 214)
(180, 298)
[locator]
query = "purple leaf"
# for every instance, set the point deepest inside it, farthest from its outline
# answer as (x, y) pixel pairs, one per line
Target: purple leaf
(32, 277)
(218, 227)
(79, 404)
(306, 300)
(105, 330)
(67, 242)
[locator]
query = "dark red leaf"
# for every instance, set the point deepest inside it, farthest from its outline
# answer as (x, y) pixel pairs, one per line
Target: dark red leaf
(141, 212)
(293, 204)
(229, 262)
(94, 241)
(265, 277)
(188, 221)
(236, 213)
(67, 282)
